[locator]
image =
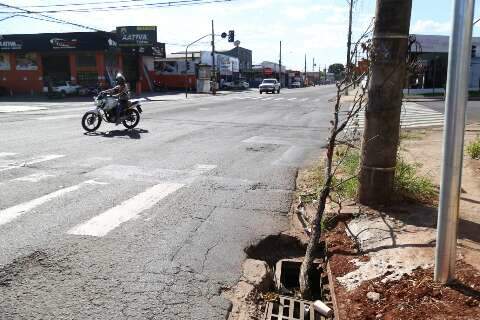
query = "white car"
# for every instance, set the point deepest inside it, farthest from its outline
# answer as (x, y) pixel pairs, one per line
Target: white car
(296, 84)
(269, 85)
(63, 89)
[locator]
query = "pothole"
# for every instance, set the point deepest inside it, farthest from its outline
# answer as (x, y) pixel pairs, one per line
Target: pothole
(276, 247)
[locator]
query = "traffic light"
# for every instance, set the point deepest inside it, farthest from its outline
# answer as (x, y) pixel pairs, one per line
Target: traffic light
(231, 36)
(188, 65)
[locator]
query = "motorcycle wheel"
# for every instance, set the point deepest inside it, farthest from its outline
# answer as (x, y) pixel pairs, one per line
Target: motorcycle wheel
(132, 120)
(91, 121)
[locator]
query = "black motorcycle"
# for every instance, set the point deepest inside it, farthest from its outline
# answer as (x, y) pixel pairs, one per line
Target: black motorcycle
(105, 110)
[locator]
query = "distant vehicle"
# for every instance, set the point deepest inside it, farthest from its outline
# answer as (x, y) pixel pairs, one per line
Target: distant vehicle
(269, 85)
(227, 85)
(296, 84)
(363, 83)
(89, 91)
(62, 89)
(237, 85)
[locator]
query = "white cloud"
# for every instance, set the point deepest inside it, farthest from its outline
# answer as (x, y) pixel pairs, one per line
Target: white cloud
(430, 27)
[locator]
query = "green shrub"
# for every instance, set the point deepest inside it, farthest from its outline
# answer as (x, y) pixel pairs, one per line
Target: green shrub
(410, 185)
(473, 148)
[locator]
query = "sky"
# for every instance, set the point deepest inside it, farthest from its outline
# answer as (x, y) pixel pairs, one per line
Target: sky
(317, 28)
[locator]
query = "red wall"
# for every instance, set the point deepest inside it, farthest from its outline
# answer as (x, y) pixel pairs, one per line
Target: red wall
(19, 81)
(175, 81)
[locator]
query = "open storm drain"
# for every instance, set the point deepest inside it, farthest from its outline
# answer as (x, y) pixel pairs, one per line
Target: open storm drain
(287, 308)
(284, 254)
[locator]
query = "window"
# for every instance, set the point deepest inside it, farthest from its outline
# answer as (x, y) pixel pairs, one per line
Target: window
(87, 78)
(86, 60)
(27, 61)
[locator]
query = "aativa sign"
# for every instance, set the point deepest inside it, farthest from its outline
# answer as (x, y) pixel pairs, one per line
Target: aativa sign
(10, 44)
(136, 36)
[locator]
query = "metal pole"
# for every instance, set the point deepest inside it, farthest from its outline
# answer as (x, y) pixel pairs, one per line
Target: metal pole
(213, 62)
(455, 105)
(280, 63)
(186, 76)
(434, 74)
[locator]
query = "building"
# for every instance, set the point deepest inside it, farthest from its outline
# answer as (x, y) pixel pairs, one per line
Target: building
(28, 62)
(432, 63)
(267, 69)
(244, 57)
(178, 71)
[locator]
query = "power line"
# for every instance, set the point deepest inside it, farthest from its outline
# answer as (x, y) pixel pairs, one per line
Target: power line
(51, 19)
(72, 4)
(178, 3)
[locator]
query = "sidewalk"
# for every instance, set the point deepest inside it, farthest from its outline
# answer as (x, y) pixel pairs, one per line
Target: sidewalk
(383, 259)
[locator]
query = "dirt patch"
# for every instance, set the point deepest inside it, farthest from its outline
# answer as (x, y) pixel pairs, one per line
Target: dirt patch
(35, 262)
(417, 296)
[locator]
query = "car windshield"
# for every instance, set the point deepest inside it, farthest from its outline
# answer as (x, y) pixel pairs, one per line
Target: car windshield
(269, 81)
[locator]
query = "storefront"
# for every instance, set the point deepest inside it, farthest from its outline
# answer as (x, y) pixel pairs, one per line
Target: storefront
(28, 62)
(176, 72)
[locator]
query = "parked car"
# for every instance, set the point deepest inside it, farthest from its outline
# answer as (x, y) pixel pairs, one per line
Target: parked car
(87, 91)
(296, 84)
(62, 89)
(269, 85)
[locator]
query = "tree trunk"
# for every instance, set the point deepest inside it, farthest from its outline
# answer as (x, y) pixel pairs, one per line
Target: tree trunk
(307, 264)
(382, 115)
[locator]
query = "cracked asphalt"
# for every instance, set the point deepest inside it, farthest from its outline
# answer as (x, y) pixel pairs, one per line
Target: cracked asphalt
(232, 159)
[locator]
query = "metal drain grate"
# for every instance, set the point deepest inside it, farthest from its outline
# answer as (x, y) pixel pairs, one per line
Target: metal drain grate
(288, 308)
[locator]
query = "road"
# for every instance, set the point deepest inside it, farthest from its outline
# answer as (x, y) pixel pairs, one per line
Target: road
(149, 223)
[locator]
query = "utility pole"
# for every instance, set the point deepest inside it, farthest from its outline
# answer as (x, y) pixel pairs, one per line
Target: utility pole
(280, 65)
(459, 58)
(313, 70)
(382, 116)
(349, 42)
(214, 67)
(306, 77)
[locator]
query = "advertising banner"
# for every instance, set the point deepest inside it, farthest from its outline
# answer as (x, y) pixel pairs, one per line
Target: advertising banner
(4, 61)
(10, 44)
(27, 61)
(137, 36)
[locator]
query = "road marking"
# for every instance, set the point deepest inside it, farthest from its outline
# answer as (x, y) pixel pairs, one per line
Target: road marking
(266, 99)
(203, 109)
(278, 99)
(102, 224)
(6, 154)
(304, 99)
(291, 99)
(9, 214)
(8, 109)
(65, 116)
(36, 177)
(34, 161)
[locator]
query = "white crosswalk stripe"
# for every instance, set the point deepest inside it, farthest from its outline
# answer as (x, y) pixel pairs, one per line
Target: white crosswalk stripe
(12, 213)
(414, 116)
(129, 209)
(11, 166)
(165, 183)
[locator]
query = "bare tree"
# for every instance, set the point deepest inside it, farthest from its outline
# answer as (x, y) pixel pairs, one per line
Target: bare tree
(339, 124)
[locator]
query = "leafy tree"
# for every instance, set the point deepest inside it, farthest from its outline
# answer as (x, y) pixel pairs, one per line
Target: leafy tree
(336, 68)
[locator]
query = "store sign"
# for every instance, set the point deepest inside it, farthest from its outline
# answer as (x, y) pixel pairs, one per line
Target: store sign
(59, 43)
(137, 36)
(267, 71)
(10, 44)
(27, 62)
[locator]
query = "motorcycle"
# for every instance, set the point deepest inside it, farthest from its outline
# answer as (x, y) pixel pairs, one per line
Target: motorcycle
(105, 110)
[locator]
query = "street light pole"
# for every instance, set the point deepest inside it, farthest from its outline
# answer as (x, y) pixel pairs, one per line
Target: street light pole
(280, 64)
(214, 67)
(186, 59)
(459, 59)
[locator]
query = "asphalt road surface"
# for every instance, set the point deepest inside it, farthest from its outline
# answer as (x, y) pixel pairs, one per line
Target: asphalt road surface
(149, 223)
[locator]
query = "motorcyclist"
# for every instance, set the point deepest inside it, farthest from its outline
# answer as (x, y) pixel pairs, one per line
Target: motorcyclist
(120, 91)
